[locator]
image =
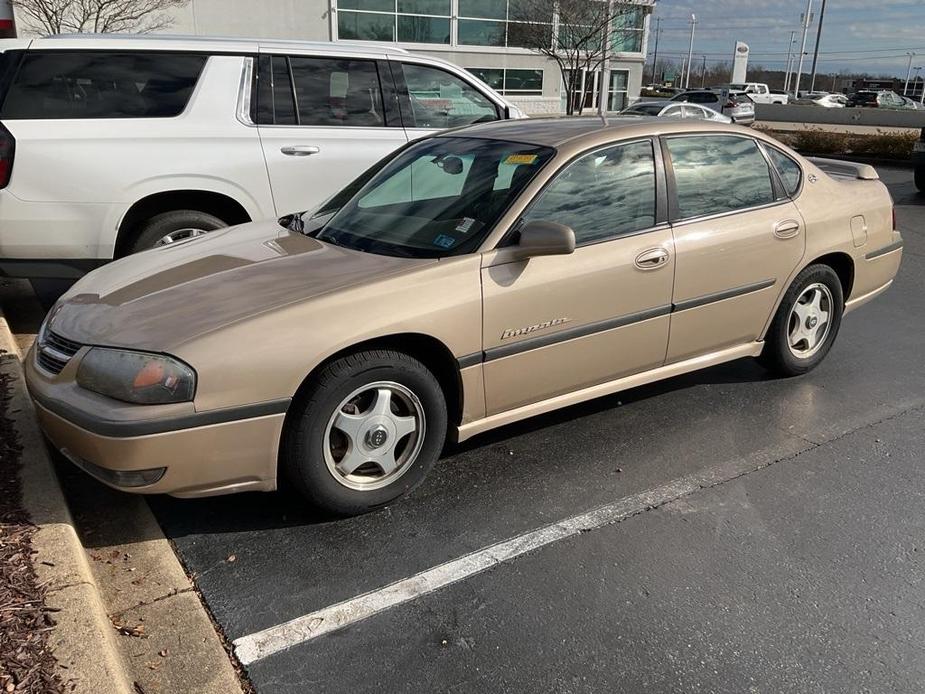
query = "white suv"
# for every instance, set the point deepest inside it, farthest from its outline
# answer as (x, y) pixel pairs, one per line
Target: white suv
(111, 145)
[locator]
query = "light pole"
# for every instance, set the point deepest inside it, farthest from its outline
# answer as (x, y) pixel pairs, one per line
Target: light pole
(703, 73)
(908, 72)
(690, 52)
(922, 98)
(658, 30)
(602, 104)
(793, 37)
(812, 86)
(807, 18)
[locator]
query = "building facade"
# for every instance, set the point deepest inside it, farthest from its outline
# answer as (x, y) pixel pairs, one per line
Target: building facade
(478, 35)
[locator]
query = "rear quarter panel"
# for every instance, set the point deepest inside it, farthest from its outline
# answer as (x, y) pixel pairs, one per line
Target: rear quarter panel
(829, 206)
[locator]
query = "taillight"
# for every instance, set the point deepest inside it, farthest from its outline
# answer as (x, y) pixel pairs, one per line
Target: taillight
(7, 152)
(894, 218)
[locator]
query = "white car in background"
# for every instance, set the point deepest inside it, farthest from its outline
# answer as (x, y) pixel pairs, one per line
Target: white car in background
(823, 99)
(116, 144)
(759, 93)
(669, 109)
(735, 104)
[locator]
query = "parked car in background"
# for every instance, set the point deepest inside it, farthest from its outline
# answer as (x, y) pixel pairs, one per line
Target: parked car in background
(759, 93)
(783, 97)
(735, 104)
(918, 161)
(112, 145)
(669, 109)
(473, 279)
(876, 99)
(912, 104)
(824, 100)
(656, 91)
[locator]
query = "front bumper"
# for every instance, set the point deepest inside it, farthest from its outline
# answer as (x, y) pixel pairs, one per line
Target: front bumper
(216, 457)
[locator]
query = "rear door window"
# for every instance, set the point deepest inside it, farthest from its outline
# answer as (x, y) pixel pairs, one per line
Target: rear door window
(719, 173)
(791, 175)
(335, 92)
(96, 84)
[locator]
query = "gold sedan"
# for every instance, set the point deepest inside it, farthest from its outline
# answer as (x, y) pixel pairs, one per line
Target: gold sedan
(472, 279)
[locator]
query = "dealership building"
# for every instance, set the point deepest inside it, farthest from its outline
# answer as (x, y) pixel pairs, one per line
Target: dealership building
(475, 34)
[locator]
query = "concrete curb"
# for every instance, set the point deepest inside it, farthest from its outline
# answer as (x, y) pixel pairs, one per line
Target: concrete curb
(84, 642)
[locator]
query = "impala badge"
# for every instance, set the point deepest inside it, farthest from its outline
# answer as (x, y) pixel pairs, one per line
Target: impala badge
(519, 332)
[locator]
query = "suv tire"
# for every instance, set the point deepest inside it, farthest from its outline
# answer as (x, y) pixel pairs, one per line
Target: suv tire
(154, 231)
(350, 445)
(814, 303)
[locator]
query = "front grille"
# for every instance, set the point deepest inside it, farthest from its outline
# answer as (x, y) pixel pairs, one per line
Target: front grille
(54, 352)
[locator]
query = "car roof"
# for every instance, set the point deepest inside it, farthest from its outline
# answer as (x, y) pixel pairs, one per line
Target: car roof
(578, 133)
(207, 43)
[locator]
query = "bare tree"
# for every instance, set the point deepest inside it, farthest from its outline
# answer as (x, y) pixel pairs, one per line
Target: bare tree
(96, 16)
(574, 33)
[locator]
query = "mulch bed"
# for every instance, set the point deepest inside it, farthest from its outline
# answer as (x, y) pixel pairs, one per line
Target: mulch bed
(26, 662)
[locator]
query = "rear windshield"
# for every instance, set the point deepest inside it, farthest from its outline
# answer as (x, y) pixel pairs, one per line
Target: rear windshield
(82, 84)
(440, 197)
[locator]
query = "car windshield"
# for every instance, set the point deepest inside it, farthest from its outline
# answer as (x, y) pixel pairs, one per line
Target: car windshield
(437, 198)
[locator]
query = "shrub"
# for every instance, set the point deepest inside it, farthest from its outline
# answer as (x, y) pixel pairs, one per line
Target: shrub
(879, 144)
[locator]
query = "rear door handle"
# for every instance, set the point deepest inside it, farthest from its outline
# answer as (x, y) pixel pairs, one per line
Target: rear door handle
(787, 229)
(300, 150)
(652, 258)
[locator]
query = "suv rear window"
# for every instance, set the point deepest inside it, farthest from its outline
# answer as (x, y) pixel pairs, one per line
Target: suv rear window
(81, 84)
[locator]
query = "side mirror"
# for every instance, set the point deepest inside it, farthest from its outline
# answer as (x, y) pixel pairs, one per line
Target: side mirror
(545, 238)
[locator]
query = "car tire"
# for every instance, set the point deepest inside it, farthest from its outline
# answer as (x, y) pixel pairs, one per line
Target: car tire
(920, 178)
(318, 455)
(157, 229)
(813, 303)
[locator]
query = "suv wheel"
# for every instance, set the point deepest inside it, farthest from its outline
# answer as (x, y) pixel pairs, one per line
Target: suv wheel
(366, 433)
(172, 227)
(806, 323)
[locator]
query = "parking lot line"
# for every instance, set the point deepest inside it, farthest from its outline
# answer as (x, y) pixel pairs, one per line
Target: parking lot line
(266, 642)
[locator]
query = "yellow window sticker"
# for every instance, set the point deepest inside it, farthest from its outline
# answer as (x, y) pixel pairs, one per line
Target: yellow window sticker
(515, 159)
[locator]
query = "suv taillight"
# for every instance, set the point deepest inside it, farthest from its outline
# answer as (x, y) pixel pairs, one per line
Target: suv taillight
(7, 152)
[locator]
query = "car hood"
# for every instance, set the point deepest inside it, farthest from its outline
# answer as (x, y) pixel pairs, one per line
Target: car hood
(159, 299)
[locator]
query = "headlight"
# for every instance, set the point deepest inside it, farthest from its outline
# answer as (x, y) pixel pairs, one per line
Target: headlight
(136, 377)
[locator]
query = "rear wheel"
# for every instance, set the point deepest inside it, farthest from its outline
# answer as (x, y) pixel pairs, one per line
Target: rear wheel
(806, 323)
(366, 433)
(173, 227)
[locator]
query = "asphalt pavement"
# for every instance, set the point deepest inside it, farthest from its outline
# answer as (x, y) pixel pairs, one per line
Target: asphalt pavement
(772, 538)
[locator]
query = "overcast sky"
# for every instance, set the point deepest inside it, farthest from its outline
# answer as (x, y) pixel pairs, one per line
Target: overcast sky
(858, 35)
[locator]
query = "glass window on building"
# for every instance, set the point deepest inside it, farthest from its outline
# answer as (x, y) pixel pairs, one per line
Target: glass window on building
(628, 29)
(407, 21)
(499, 23)
(619, 90)
(511, 82)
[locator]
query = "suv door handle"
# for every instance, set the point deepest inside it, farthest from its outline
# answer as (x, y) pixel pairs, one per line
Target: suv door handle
(652, 258)
(300, 150)
(787, 229)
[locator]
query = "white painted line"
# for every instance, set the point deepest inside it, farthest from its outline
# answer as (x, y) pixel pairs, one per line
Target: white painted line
(262, 644)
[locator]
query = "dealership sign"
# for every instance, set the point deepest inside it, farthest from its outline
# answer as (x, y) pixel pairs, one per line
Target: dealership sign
(740, 63)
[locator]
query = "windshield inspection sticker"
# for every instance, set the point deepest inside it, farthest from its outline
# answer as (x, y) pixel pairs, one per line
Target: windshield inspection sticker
(444, 241)
(465, 225)
(515, 159)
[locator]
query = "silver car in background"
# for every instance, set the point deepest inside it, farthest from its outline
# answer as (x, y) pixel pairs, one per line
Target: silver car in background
(669, 109)
(735, 104)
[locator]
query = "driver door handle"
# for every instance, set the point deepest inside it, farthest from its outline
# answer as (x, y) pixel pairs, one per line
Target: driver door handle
(652, 258)
(300, 150)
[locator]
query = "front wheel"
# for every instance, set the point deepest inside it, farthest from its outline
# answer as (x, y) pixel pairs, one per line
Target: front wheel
(806, 323)
(366, 432)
